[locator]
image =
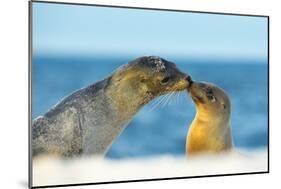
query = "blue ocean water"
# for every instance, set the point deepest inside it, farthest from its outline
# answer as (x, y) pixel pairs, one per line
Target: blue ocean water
(162, 130)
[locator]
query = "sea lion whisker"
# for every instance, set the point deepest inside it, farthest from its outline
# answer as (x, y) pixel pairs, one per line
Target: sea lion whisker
(175, 97)
(153, 102)
(164, 100)
(167, 99)
(157, 103)
(178, 96)
(181, 96)
(172, 98)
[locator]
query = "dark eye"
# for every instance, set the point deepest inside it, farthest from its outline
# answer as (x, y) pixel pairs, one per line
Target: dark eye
(210, 95)
(165, 80)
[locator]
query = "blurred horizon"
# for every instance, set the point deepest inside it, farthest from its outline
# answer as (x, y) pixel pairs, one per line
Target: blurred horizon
(178, 60)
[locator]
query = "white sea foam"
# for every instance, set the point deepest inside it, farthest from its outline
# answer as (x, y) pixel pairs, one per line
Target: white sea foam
(53, 171)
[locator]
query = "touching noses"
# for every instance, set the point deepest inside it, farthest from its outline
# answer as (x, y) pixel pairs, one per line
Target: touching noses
(188, 78)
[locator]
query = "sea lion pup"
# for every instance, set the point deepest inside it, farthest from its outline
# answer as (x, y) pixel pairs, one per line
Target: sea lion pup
(87, 121)
(210, 129)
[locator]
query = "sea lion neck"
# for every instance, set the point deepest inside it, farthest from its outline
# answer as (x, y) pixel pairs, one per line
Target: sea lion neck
(127, 98)
(205, 115)
(208, 135)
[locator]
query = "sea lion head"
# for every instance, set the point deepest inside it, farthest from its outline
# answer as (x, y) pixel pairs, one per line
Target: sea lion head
(151, 76)
(211, 102)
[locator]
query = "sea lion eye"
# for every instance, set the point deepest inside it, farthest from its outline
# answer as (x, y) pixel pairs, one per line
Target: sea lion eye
(212, 98)
(165, 80)
(210, 95)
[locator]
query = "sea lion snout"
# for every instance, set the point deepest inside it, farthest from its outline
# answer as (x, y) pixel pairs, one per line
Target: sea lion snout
(189, 80)
(197, 91)
(181, 80)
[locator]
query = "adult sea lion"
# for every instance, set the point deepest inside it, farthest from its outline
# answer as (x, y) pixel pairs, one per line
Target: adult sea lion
(87, 121)
(210, 130)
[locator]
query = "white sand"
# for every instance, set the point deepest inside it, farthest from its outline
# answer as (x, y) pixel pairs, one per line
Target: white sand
(52, 171)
